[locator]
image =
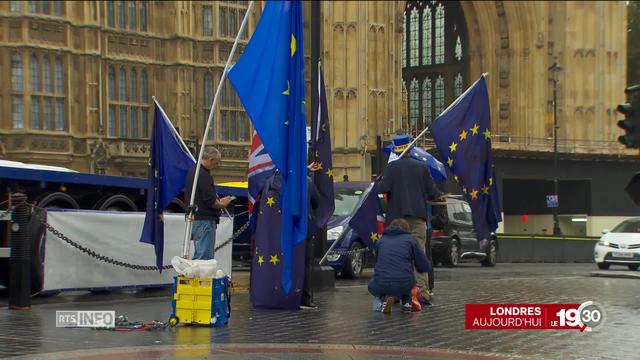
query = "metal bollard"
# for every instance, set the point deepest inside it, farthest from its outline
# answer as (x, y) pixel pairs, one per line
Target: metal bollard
(20, 261)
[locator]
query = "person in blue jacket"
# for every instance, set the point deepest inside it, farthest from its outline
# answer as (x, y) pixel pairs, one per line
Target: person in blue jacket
(398, 252)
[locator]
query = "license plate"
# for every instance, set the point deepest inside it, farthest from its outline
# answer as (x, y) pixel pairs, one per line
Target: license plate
(622, 254)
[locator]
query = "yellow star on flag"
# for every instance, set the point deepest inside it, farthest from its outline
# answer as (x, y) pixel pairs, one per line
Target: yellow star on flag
(450, 162)
(463, 135)
(293, 45)
(319, 165)
(464, 189)
(474, 129)
(474, 194)
(260, 260)
(329, 172)
(274, 259)
(453, 147)
(485, 189)
(317, 153)
(287, 92)
(270, 201)
(455, 177)
(491, 181)
(487, 134)
(374, 236)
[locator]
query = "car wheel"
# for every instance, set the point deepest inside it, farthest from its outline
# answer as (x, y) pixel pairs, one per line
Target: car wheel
(603, 266)
(355, 262)
(634, 267)
(453, 255)
(492, 255)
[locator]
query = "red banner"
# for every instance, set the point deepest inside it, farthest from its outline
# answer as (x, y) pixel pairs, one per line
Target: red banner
(523, 317)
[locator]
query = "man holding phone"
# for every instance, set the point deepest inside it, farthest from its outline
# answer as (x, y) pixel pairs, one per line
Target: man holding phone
(208, 206)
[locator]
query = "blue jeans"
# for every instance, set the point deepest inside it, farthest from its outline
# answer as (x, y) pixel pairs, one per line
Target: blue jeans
(203, 233)
(401, 289)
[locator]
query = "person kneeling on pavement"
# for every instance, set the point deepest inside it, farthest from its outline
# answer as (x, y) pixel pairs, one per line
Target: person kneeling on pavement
(397, 253)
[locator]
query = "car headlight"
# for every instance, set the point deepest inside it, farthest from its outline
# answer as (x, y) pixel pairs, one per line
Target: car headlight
(333, 257)
(334, 233)
(604, 243)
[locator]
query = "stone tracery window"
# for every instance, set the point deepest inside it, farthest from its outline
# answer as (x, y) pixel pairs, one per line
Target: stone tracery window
(128, 112)
(442, 72)
(413, 38)
(47, 93)
(414, 103)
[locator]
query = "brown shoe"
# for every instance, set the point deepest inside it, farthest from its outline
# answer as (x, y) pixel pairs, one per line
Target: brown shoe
(386, 307)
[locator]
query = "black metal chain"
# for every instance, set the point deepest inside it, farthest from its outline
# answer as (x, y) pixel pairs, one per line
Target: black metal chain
(109, 260)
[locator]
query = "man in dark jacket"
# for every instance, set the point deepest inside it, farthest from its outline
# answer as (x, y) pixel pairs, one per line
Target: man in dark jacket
(409, 186)
(398, 253)
(208, 205)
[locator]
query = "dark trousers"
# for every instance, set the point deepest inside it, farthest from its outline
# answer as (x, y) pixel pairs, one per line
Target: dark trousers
(401, 289)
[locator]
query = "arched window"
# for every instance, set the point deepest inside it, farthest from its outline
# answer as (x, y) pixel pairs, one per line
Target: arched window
(427, 98)
(46, 75)
(404, 42)
(33, 6)
(123, 121)
(143, 16)
(439, 98)
(111, 83)
(134, 85)
(35, 112)
(60, 115)
(134, 122)
(48, 112)
(440, 34)
(111, 18)
(15, 6)
(121, 14)
(207, 101)
(132, 15)
(122, 94)
(443, 69)
(414, 102)
(17, 110)
(426, 38)
(59, 77)
(112, 120)
(16, 73)
(58, 8)
(413, 38)
(34, 69)
(144, 89)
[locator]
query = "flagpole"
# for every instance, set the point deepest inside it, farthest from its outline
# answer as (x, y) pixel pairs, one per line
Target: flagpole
(190, 212)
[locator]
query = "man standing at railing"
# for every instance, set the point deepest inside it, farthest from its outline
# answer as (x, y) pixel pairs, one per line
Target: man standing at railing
(207, 205)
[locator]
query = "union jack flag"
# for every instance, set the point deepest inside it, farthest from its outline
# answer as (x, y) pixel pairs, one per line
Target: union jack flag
(261, 167)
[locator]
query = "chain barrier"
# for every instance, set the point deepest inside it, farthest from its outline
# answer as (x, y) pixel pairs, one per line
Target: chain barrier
(109, 260)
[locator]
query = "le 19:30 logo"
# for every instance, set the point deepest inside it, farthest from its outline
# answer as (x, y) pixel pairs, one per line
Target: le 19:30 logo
(588, 317)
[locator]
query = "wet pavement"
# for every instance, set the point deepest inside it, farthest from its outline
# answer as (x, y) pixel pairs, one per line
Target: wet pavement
(344, 327)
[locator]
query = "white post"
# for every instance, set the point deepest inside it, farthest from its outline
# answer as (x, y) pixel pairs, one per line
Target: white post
(187, 233)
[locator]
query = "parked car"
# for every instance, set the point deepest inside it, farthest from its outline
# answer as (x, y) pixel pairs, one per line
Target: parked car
(453, 238)
(620, 246)
(348, 196)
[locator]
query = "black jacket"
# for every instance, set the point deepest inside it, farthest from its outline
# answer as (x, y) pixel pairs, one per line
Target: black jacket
(409, 185)
(205, 195)
(397, 252)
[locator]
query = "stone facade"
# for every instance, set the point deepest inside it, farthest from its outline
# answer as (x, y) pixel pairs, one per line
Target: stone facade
(515, 42)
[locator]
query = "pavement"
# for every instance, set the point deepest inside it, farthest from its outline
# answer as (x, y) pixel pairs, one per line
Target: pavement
(344, 327)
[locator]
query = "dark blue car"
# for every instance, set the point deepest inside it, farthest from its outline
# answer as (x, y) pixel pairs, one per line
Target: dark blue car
(349, 256)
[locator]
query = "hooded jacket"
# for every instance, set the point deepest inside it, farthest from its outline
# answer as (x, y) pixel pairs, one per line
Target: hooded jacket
(398, 252)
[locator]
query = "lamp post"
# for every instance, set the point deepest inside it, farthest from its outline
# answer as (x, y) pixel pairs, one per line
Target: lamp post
(555, 69)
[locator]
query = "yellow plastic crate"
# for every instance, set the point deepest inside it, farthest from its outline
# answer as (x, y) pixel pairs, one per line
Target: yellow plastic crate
(192, 301)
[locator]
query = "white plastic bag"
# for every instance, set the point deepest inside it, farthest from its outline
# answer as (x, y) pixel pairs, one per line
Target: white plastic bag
(194, 268)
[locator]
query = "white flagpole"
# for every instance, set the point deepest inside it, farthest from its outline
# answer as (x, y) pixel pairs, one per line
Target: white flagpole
(187, 233)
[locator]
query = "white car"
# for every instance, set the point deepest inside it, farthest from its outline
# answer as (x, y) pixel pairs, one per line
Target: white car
(620, 246)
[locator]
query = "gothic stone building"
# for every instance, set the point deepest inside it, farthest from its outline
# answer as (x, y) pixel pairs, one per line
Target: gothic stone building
(76, 80)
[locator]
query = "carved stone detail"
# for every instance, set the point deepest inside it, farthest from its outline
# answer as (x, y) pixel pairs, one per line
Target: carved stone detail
(47, 144)
(100, 156)
(234, 152)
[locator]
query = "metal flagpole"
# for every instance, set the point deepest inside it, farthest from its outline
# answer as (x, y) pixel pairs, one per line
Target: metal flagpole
(187, 232)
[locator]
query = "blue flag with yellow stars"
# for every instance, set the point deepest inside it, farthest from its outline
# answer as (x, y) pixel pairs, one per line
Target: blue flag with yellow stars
(169, 162)
(365, 219)
(463, 136)
(266, 288)
(269, 79)
(321, 149)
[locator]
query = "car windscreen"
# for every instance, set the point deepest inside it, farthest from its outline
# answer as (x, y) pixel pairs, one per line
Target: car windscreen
(346, 201)
(627, 227)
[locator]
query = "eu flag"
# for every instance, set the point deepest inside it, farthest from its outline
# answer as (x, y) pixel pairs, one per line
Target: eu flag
(269, 79)
(321, 148)
(463, 136)
(169, 162)
(365, 219)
